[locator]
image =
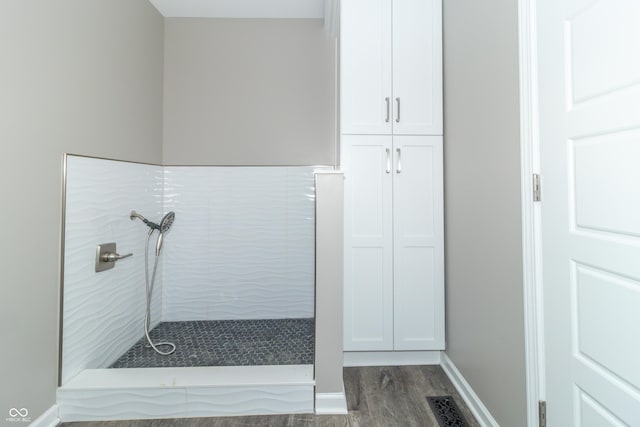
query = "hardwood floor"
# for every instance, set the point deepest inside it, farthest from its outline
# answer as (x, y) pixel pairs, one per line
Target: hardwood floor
(376, 396)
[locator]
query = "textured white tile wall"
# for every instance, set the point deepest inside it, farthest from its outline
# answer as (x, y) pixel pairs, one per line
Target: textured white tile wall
(126, 403)
(125, 394)
(94, 404)
(242, 245)
(247, 400)
(103, 312)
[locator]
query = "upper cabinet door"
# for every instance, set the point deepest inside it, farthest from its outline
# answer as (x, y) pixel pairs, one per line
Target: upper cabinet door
(417, 67)
(391, 67)
(365, 64)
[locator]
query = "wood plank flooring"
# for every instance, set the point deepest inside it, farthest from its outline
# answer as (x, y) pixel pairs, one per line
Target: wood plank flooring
(376, 396)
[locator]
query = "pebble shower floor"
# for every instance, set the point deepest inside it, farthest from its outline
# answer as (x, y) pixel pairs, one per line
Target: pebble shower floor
(226, 343)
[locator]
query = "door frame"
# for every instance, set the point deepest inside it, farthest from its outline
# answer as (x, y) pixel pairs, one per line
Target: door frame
(531, 211)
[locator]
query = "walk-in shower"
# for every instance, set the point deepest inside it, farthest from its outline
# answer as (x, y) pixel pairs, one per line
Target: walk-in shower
(229, 320)
(237, 279)
(149, 280)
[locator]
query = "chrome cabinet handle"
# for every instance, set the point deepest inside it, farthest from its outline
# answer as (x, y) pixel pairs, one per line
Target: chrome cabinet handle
(398, 110)
(399, 169)
(388, 160)
(113, 257)
(386, 100)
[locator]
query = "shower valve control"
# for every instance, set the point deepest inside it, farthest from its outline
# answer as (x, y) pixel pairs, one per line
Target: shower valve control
(111, 257)
(106, 256)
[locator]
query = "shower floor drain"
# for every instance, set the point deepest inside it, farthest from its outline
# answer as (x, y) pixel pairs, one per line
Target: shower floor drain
(446, 411)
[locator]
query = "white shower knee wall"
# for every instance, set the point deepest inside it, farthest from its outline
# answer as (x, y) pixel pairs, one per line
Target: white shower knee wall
(103, 313)
(242, 245)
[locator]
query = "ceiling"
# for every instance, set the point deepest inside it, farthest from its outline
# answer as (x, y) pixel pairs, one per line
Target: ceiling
(240, 8)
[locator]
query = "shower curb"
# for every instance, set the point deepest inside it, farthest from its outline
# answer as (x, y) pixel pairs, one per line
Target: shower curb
(145, 393)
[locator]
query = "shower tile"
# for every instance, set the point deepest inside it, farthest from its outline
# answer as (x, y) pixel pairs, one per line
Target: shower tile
(242, 247)
(103, 313)
(106, 404)
(243, 243)
(227, 343)
(244, 400)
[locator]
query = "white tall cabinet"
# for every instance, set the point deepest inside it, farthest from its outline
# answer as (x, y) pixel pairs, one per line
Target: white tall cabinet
(391, 153)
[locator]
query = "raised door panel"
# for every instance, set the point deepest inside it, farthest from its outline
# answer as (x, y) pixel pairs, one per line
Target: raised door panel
(368, 266)
(589, 76)
(365, 67)
(417, 67)
(418, 243)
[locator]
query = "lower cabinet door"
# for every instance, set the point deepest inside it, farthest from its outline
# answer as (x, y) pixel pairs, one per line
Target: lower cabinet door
(418, 241)
(394, 243)
(368, 228)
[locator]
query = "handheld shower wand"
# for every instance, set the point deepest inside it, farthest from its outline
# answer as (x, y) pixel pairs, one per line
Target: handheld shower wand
(163, 227)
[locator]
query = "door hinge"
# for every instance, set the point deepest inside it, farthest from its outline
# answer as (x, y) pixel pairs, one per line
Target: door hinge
(542, 413)
(536, 187)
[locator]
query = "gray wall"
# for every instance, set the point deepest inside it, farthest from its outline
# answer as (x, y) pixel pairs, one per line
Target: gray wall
(81, 76)
(485, 326)
(248, 92)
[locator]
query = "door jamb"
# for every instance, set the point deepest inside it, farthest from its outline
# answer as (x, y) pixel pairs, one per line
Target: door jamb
(531, 238)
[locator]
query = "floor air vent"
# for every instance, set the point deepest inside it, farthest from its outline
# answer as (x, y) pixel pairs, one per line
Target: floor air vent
(446, 411)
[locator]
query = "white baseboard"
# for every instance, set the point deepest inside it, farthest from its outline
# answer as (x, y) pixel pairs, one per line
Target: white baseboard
(331, 403)
(390, 358)
(48, 419)
(472, 400)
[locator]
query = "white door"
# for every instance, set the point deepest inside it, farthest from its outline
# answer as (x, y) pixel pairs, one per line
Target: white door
(418, 240)
(417, 67)
(589, 76)
(368, 265)
(365, 67)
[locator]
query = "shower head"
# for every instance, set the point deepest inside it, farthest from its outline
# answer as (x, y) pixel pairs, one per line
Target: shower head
(167, 221)
(165, 225)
